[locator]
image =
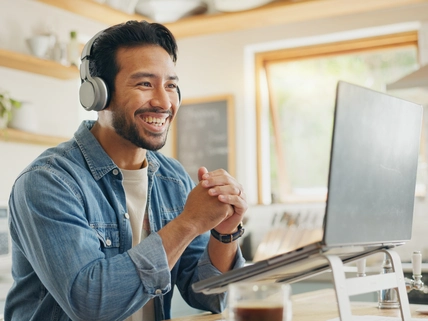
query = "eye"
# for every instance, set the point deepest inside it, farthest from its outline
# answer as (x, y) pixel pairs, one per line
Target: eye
(172, 86)
(144, 84)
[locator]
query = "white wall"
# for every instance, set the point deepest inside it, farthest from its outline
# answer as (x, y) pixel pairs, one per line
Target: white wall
(207, 65)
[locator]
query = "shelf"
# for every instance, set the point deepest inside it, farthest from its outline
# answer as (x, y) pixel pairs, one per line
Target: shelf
(94, 10)
(276, 13)
(20, 61)
(16, 136)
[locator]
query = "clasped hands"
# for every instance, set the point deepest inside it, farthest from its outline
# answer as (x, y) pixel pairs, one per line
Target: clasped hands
(218, 201)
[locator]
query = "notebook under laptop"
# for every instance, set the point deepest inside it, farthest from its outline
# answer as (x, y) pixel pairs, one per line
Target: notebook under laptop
(371, 188)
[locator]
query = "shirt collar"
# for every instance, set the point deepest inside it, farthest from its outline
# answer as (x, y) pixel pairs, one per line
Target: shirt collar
(98, 161)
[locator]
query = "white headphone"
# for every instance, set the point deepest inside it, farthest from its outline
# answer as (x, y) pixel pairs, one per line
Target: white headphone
(93, 91)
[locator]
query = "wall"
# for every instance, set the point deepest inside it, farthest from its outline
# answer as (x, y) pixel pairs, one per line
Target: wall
(207, 65)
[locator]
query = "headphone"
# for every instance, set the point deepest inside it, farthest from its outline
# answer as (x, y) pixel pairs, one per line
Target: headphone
(93, 92)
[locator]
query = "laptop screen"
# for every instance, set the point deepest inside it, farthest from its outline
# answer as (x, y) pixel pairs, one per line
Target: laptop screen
(374, 159)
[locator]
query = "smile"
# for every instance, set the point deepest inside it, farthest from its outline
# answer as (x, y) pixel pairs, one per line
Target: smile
(154, 121)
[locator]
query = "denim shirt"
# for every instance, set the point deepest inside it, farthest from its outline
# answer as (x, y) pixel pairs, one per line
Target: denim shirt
(71, 239)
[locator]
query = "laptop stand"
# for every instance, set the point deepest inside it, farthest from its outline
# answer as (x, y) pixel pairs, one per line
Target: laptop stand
(346, 287)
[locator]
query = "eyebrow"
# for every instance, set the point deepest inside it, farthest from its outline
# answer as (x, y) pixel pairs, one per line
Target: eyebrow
(138, 75)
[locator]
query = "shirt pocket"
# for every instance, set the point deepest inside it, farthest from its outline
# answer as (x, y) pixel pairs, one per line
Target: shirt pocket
(170, 213)
(108, 235)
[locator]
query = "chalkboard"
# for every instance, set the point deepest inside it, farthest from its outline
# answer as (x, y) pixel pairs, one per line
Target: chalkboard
(204, 135)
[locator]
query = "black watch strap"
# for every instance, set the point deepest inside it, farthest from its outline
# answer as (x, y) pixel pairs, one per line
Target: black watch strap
(229, 238)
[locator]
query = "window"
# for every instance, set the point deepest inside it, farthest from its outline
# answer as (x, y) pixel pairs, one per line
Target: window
(296, 88)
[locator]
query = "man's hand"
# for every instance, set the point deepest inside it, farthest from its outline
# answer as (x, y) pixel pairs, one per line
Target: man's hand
(204, 211)
(218, 201)
(228, 191)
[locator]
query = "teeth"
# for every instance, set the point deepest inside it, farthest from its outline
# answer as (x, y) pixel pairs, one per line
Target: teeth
(154, 121)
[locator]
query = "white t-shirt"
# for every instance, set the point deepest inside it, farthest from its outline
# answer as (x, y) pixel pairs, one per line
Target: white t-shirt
(135, 185)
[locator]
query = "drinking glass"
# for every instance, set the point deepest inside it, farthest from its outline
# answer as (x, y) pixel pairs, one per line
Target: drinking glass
(259, 301)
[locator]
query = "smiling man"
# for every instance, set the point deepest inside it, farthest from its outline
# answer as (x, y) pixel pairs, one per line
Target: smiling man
(104, 226)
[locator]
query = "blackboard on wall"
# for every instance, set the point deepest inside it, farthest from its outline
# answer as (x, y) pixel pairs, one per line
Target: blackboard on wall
(205, 135)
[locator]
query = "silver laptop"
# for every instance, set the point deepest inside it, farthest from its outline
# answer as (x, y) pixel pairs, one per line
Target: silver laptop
(371, 189)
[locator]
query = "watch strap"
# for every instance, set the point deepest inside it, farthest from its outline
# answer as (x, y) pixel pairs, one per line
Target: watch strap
(228, 238)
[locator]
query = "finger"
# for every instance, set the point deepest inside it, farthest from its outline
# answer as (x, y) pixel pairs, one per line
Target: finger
(238, 202)
(218, 178)
(216, 173)
(235, 189)
(201, 172)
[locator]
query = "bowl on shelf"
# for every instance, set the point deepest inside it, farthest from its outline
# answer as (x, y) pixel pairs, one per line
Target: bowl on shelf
(127, 6)
(39, 45)
(238, 5)
(164, 11)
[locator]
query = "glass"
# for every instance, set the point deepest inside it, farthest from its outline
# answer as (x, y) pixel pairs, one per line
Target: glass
(259, 302)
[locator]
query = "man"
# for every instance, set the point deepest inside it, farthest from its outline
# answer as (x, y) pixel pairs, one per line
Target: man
(103, 226)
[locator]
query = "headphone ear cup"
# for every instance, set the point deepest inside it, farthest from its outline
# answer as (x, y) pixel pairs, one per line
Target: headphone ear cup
(93, 94)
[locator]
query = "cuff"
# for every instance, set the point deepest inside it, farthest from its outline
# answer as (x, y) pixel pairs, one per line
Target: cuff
(151, 263)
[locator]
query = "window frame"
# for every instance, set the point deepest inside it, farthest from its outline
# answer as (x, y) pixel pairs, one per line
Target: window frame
(262, 59)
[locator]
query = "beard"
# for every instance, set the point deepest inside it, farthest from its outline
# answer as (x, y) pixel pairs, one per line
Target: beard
(130, 132)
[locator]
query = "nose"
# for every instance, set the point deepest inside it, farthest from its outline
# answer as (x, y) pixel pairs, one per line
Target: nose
(161, 99)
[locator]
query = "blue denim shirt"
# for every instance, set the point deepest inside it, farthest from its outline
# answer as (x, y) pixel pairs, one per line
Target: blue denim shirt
(71, 239)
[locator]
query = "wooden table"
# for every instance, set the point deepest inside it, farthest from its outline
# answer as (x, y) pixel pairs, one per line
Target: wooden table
(320, 306)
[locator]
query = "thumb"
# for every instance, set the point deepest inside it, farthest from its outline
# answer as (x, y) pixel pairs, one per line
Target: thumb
(201, 171)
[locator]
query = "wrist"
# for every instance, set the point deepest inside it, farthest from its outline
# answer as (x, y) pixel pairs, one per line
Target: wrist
(182, 224)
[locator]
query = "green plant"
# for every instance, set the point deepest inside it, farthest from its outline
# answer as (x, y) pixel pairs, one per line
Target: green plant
(7, 104)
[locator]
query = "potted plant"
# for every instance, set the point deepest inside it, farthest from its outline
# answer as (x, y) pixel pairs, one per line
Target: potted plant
(6, 106)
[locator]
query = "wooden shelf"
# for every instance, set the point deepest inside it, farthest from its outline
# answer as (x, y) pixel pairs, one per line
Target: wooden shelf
(16, 136)
(16, 60)
(276, 13)
(94, 10)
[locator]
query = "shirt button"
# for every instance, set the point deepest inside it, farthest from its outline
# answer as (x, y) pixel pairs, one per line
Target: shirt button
(108, 242)
(158, 292)
(127, 216)
(115, 171)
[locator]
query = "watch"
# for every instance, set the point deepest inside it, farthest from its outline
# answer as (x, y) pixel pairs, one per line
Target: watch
(229, 238)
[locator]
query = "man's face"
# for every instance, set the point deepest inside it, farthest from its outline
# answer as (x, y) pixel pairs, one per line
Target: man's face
(145, 99)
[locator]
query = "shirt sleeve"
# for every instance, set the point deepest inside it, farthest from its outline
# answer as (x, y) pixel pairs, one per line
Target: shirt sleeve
(151, 254)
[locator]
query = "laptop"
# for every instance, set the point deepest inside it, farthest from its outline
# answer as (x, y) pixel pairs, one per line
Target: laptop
(371, 189)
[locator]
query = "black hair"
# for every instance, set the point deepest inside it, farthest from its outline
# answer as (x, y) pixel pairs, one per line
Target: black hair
(130, 34)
